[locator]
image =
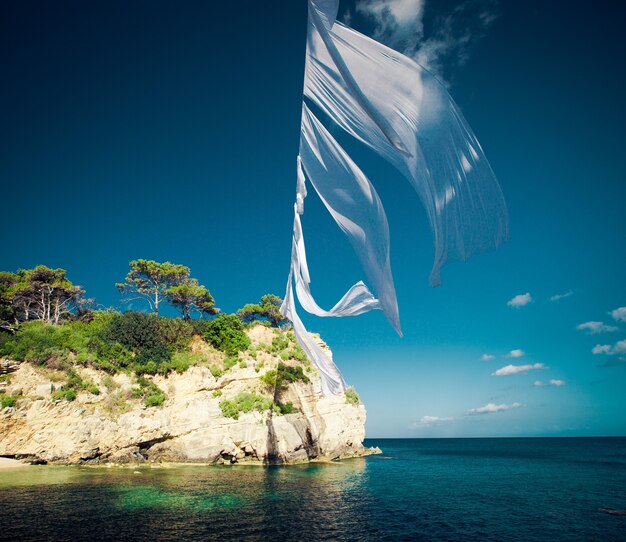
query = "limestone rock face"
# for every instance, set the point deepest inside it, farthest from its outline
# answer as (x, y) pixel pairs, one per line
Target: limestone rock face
(189, 426)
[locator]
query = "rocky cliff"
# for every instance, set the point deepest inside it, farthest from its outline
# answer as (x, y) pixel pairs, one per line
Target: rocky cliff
(192, 424)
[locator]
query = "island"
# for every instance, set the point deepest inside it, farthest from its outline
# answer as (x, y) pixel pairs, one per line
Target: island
(110, 387)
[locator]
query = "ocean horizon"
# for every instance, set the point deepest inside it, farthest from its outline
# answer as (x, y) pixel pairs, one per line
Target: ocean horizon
(504, 488)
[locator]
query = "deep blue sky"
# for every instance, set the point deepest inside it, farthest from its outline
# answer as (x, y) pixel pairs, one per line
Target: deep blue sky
(169, 131)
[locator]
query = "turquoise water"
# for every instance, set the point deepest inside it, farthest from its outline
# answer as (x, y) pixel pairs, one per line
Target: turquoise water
(419, 489)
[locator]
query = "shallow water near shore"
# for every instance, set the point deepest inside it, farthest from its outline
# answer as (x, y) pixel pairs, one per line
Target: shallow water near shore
(418, 489)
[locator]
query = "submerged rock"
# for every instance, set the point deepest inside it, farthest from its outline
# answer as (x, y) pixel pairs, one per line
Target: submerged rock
(190, 425)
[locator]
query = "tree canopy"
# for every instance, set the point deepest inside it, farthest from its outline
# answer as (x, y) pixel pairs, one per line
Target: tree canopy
(190, 296)
(150, 280)
(268, 309)
(158, 282)
(41, 293)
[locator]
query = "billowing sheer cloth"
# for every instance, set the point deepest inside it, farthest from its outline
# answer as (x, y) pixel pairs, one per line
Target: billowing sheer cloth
(403, 113)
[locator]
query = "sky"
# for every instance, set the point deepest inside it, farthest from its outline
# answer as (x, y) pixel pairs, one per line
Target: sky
(169, 131)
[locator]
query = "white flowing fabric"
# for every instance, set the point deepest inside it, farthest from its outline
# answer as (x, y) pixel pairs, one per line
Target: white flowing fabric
(400, 111)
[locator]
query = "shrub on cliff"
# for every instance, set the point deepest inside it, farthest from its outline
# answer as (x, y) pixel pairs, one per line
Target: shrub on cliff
(282, 376)
(40, 343)
(286, 408)
(151, 394)
(286, 347)
(352, 397)
(73, 386)
(8, 401)
(226, 334)
(153, 340)
(57, 345)
(135, 330)
(245, 402)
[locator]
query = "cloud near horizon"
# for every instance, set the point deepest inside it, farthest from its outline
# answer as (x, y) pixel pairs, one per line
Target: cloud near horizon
(490, 408)
(426, 421)
(430, 420)
(517, 369)
(520, 300)
(400, 25)
(487, 357)
(593, 327)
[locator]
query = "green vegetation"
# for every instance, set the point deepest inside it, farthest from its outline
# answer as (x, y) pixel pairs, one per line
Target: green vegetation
(245, 402)
(287, 408)
(73, 386)
(215, 371)
(41, 294)
(286, 347)
(181, 361)
(69, 394)
(352, 397)
(282, 376)
(230, 362)
(217, 393)
(156, 282)
(151, 394)
(188, 296)
(7, 401)
(46, 320)
(226, 334)
(93, 389)
(268, 310)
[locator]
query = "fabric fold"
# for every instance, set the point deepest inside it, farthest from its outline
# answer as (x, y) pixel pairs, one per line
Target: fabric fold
(404, 114)
(443, 160)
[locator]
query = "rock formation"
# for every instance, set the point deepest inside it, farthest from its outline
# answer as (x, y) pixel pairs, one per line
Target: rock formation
(190, 425)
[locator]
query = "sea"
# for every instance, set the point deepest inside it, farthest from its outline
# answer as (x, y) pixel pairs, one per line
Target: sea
(496, 489)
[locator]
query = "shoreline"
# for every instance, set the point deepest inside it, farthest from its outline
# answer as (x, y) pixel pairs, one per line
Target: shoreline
(9, 463)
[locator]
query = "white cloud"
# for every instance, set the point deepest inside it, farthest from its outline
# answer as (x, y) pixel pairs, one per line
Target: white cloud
(430, 420)
(490, 408)
(426, 420)
(618, 348)
(619, 315)
(517, 353)
(552, 382)
(558, 297)
(487, 357)
(399, 24)
(520, 300)
(517, 369)
(595, 327)
(400, 12)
